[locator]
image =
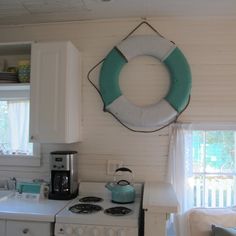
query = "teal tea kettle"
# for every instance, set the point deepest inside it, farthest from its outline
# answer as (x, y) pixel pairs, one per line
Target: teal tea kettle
(122, 191)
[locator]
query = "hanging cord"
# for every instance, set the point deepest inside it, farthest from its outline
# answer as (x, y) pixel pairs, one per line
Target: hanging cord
(88, 77)
(104, 108)
(138, 26)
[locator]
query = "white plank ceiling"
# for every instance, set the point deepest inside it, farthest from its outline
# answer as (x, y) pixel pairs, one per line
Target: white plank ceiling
(41, 11)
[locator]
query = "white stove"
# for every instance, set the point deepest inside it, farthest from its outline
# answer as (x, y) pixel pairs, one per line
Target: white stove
(79, 218)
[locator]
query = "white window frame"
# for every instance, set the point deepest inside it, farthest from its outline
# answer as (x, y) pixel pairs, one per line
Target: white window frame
(210, 126)
(19, 91)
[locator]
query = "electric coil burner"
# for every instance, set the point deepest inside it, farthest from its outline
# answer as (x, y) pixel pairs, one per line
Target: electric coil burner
(93, 213)
(91, 199)
(85, 208)
(118, 211)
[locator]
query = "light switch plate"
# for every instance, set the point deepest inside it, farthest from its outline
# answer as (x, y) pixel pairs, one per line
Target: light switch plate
(112, 165)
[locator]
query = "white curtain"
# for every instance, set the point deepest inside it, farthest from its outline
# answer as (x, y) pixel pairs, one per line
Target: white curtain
(18, 115)
(180, 173)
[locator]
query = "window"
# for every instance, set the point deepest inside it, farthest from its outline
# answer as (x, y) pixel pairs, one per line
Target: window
(14, 127)
(213, 174)
(15, 148)
(202, 168)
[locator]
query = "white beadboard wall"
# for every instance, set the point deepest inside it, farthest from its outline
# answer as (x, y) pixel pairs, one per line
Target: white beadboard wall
(210, 47)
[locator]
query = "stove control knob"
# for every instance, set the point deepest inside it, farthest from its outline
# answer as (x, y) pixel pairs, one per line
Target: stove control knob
(121, 232)
(110, 232)
(69, 230)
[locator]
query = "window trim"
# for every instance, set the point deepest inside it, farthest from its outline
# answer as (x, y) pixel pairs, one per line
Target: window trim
(22, 160)
(205, 126)
(19, 91)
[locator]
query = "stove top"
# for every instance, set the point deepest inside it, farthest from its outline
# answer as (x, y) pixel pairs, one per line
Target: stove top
(89, 208)
(103, 212)
(79, 213)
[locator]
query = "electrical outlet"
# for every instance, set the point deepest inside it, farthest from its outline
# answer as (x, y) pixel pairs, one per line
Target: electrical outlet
(112, 165)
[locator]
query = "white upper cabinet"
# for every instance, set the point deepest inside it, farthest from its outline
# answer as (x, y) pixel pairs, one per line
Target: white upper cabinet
(55, 93)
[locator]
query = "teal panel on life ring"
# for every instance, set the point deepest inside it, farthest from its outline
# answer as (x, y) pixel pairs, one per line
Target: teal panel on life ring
(109, 76)
(181, 82)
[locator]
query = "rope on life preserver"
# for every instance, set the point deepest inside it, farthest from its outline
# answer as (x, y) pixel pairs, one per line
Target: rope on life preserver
(156, 116)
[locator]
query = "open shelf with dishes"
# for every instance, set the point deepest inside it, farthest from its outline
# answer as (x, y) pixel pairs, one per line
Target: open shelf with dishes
(8, 77)
(15, 63)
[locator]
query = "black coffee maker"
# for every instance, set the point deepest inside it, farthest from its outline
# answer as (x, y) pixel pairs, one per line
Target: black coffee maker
(64, 175)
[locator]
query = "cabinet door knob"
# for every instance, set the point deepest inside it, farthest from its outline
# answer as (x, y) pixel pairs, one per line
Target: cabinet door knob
(25, 231)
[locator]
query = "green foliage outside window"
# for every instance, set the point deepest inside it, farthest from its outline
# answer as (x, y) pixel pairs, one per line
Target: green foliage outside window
(214, 151)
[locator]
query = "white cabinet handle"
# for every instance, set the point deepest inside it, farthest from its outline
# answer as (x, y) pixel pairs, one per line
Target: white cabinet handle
(25, 231)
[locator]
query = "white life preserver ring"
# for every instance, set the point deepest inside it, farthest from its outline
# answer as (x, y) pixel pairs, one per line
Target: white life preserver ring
(165, 111)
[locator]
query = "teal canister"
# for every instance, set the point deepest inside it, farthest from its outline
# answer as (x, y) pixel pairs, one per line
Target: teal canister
(24, 71)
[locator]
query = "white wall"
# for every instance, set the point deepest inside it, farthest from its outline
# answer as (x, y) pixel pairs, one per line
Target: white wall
(208, 44)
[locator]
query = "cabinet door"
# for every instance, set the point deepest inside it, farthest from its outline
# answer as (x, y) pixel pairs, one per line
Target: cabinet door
(20, 228)
(2, 227)
(155, 224)
(54, 71)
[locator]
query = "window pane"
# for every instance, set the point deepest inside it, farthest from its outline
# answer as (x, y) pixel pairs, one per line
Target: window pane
(219, 151)
(213, 168)
(14, 128)
(213, 151)
(198, 151)
(213, 191)
(198, 191)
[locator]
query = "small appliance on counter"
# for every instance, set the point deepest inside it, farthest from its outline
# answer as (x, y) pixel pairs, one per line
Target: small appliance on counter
(122, 191)
(32, 190)
(64, 175)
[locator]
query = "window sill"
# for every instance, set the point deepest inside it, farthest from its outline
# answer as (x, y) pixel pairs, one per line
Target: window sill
(18, 160)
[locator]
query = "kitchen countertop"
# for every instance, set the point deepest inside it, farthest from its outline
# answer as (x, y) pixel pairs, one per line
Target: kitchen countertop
(13, 208)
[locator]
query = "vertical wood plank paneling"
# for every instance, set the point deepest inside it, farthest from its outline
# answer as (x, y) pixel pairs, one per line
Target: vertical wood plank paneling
(208, 44)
